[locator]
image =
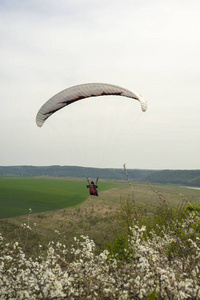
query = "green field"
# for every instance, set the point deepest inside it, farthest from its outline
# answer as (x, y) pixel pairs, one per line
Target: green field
(64, 206)
(18, 195)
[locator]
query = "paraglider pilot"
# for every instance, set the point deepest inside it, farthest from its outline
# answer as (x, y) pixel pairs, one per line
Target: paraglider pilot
(93, 188)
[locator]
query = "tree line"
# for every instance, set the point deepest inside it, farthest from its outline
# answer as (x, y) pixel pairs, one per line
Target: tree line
(179, 177)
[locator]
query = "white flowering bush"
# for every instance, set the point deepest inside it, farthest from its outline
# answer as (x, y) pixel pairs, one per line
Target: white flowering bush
(164, 264)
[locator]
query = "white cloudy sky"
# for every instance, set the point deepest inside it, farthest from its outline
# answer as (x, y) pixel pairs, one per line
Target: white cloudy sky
(148, 46)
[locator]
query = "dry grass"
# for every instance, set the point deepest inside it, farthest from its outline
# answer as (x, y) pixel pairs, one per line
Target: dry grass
(94, 217)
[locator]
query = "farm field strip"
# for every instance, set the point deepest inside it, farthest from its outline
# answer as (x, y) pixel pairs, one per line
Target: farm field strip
(18, 195)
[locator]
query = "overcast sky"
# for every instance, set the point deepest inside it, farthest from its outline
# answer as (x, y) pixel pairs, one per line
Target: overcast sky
(151, 47)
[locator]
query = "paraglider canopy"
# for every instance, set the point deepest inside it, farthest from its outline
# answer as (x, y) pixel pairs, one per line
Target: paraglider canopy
(83, 91)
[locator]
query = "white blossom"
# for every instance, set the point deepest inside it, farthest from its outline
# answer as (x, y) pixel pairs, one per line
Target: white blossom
(90, 276)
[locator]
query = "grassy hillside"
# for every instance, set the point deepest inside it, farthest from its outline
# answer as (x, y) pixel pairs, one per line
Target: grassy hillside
(18, 195)
(90, 215)
(156, 259)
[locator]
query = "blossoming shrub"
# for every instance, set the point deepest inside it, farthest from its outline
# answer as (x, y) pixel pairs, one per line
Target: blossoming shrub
(164, 264)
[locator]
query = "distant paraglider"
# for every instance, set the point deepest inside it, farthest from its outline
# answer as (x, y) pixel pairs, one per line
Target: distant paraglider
(93, 187)
(83, 91)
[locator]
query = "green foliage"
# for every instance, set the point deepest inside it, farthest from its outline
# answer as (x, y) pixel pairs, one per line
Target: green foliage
(162, 219)
(193, 208)
(128, 214)
(120, 248)
(152, 296)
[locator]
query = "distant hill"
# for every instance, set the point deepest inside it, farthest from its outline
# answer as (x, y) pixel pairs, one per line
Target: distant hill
(180, 177)
(73, 171)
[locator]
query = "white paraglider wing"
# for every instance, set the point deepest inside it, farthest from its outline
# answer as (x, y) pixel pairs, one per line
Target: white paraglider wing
(79, 92)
